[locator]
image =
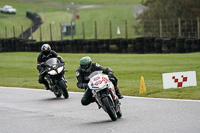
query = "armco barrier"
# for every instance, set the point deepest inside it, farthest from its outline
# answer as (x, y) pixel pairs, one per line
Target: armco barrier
(137, 45)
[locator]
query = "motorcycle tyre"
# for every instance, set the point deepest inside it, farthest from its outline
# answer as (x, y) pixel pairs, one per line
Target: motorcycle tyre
(58, 95)
(63, 87)
(110, 109)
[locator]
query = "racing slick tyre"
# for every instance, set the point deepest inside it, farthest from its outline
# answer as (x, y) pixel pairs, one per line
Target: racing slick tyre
(63, 87)
(109, 105)
(57, 92)
(58, 95)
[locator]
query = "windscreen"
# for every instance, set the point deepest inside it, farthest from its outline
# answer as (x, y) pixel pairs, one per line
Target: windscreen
(94, 73)
(52, 61)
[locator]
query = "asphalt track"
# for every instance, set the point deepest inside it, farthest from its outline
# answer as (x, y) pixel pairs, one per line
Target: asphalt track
(37, 111)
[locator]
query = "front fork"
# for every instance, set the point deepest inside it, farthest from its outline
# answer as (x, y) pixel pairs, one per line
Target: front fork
(105, 93)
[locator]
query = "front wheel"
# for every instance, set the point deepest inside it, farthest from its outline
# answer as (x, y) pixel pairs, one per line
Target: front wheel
(109, 105)
(57, 92)
(63, 87)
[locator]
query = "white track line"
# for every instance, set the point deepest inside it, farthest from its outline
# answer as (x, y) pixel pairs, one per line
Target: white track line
(130, 97)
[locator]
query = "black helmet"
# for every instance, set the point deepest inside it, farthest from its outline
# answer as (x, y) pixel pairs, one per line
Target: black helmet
(45, 49)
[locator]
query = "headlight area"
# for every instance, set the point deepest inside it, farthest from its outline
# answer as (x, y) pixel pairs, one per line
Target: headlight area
(53, 72)
(60, 69)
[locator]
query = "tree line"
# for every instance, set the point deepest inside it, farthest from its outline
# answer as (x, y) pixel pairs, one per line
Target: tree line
(177, 15)
(171, 9)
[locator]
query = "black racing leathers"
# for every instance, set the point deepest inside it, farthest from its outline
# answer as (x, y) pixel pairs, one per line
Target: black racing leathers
(82, 77)
(43, 58)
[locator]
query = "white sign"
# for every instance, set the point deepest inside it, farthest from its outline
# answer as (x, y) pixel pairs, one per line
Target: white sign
(179, 79)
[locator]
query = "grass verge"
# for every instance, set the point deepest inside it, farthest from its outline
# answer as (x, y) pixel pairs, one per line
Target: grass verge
(19, 69)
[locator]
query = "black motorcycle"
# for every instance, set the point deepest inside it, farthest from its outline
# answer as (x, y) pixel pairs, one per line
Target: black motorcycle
(55, 70)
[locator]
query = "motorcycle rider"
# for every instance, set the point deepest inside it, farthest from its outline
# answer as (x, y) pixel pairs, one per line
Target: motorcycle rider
(45, 54)
(82, 73)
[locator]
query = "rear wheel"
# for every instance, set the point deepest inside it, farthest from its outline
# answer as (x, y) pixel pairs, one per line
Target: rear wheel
(63, 87)
(109, 105)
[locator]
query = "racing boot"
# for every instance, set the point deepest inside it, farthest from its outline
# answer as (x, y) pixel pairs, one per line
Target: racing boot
(46, 84)
(47, 87)
(118, 92)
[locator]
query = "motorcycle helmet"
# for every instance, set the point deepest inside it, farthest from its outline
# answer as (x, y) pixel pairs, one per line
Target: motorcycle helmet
(45, 49)
(86, 63)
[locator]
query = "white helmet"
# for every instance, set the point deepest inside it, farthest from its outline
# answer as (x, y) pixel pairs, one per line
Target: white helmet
(46, 48)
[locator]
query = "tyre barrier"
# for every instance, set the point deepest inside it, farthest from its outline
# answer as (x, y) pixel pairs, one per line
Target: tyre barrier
(136, 45)
(187, 45)
(131, 45)
(147, 45)
(77, 46)
(195, 45)
(166, 45)
(123, 47)
(173, 45)
(180, 45)
(139, 45)
(158, 45)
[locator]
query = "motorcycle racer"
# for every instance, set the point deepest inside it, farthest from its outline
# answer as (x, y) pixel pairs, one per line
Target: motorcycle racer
(45, 54)
(82, 73)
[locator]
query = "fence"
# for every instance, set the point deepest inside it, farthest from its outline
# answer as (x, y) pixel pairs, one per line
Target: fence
(78, 30)
(187, 28)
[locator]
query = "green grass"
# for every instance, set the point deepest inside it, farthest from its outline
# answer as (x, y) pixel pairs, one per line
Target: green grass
(59, 17)
(20, 18)
(19, 70)
(103, 15)
(103, 2)
(56, 11)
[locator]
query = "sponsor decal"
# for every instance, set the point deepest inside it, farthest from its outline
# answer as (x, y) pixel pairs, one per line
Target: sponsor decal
(97, 78)
(98, 82)
(105, 79)
(91, 83)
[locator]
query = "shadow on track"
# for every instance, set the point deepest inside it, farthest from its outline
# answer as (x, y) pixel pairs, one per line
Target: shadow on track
(53, 99)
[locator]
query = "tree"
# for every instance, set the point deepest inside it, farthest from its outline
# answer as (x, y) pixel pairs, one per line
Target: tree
(169, 10)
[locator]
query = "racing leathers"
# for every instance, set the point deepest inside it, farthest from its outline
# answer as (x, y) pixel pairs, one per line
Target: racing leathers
(40, 60)
(82, 77)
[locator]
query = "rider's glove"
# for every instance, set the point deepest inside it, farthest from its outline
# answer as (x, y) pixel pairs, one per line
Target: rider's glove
(42, 64)
(85, 86)
(111, 77)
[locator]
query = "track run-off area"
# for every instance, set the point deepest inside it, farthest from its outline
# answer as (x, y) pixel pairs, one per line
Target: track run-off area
(25, 110)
